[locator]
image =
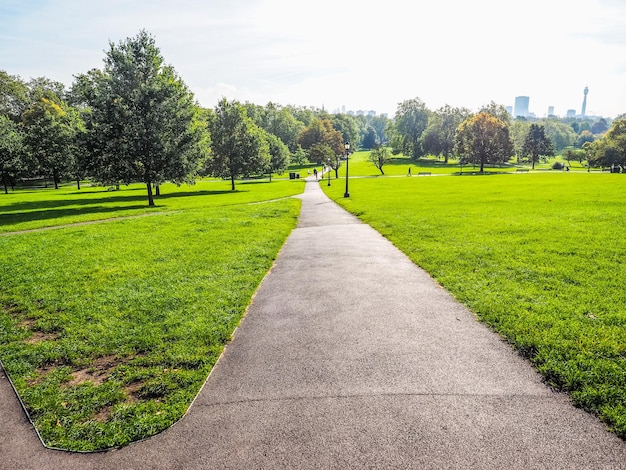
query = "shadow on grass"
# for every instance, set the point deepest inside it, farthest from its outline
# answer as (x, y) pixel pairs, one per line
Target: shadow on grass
(20, 217)
(38, 206)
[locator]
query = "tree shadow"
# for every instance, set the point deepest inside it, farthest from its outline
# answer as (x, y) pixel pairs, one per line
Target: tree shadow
(20, 217)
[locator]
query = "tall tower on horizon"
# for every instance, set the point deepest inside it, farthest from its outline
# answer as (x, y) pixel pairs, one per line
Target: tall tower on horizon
(584, 110)
(521, 106)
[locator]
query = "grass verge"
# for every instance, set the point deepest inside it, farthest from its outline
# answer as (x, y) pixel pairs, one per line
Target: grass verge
(108, 331)
(538, 257)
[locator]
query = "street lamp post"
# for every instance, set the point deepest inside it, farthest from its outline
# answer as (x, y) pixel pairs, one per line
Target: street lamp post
(329, 174)
(347, 147)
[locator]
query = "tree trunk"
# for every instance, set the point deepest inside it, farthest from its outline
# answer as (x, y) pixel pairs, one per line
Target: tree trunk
(232, 182)
(150, 198)
(6, 188)
(158, 190)
(55, 177)
(270, 176)
(78, 183)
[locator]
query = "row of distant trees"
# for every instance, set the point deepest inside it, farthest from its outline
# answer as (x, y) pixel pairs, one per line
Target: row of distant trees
(491, 136)
(135, 120)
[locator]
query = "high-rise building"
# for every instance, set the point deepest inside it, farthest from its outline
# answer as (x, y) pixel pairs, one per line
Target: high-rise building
(521, 106)
(550, 110)
(571, 113)
(584, 110)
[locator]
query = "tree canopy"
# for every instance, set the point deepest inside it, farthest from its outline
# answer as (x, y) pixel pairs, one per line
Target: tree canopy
(483, 139)
(143, 121)
(238, 145)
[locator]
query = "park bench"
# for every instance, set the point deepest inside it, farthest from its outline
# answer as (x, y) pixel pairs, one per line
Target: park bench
(521, 170)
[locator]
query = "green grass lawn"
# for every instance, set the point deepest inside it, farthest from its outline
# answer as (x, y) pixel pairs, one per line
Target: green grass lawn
(37, 208)
(399, 166)
(539, 257)
(109, 330)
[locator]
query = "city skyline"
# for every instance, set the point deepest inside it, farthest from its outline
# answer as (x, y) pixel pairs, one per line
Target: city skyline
(353, 54)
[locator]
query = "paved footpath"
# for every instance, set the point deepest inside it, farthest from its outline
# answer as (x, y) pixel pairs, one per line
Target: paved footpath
(352, 357)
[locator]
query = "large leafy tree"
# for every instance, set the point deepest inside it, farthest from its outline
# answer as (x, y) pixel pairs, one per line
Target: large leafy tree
(143, 121)
(239, 146)
(483, 139)
(410, 123)
(537, 146)
(320, 133)
(611, 149)
(50, 129)
(439, 136)
(10, 147)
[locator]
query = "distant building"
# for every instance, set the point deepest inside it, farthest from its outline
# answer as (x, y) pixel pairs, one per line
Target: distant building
(550, 110)
(371, 113)
(521, 106)
(571, 113)
(584, 110)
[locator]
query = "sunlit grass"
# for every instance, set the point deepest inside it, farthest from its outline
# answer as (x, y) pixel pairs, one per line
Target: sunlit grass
(539, 257)
(109, 330)
(30, 209)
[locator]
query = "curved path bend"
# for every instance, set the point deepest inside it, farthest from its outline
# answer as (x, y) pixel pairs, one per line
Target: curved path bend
(350, 356)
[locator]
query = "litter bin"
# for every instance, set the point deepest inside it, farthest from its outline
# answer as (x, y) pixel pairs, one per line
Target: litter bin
(292, 176)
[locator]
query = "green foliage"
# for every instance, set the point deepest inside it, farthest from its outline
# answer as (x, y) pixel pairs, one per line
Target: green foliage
(536, 145)
(320, 139)
(239, 146)
(10, 148)
(409, 125)
(109, 330)
(379, 156)
(142, 120)
(483, 139)
(538, 257)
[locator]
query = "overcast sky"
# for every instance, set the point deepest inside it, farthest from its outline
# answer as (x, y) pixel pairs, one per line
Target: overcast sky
(361, 54)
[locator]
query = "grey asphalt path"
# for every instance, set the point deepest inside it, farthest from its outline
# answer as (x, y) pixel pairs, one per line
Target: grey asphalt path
(352, 357)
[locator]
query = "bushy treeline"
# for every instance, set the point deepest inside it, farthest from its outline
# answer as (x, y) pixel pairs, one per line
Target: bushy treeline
(492, 136)
(135, 120)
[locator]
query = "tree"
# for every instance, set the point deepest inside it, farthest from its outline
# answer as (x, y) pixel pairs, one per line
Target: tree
(237, 143)
(144, 124)
(13, 96)
(518, 130)
(410, 123)
(439, 136)
(536, 145)
(50, 129)
(10, 147)
(370, 140)
(599, 127)
(483, 139)
(279, 155)
(561, 135)
(348, 126)
(379, 156)
(610, 150)
(321, 133)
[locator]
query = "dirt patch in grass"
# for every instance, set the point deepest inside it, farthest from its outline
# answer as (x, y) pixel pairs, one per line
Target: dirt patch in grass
(97, 372)
(39, 336)
(132, 391)
(103, 415)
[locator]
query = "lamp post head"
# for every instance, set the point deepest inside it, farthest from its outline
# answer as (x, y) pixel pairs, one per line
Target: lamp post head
(347, 146)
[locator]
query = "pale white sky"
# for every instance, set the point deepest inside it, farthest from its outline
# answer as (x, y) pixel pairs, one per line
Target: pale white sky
(361, 54)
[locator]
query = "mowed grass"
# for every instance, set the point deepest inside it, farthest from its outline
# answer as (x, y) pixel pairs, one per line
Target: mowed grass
(37, 208)
(541, 258)
(109, 330)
